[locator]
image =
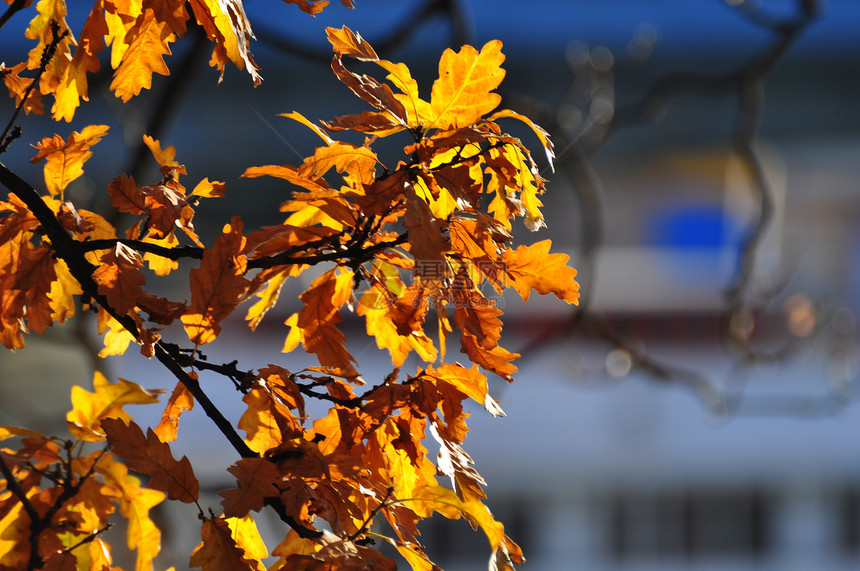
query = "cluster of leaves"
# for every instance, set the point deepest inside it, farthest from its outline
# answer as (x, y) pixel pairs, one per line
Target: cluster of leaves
(421, 238)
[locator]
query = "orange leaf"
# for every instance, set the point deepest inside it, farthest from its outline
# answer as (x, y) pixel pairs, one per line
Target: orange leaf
(267, 421)
(209, 189)
(359, 162)
(18, 86)
(134, 503)
(347, 42)
(164, 157)
(316, 322)
(462, 94)
(496, 360)
(219, 551)
(312, 7)
(426, 241)
(217, 285)
(534, 268)
(227, 24)
(256, 479)
(148, 42)
(106, 401)
(181, 400)
(65, 159)
(149, 455)
(119, 278)
(126, 196)
(340, 554)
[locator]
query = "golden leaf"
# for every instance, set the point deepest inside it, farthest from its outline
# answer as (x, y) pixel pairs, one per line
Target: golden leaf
(462, 93)
(106, 401)
(65, 159)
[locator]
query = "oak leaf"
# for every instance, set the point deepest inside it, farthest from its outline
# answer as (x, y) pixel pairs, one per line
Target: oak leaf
(149, 455)
(315, 326)
(126, 196)
(180, 400)
(134, 503)
(463, 92)
(217, 285)
(225, 21)
(256, 480)
(119, 278)
(107, 400)
(219, 550)
(534, 268)
(340, 555)
(65, 158)
(148, 42)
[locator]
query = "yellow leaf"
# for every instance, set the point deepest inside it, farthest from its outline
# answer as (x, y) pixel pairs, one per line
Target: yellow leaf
(117, 338)
(534, 268)
(296, 116)
(219, 551)
(462, 93)
(106, 401)
(134, 504)
(317, 321)
(164, 157)
(10, 431)
(424, 501)
(268, 297)
(247, 537)
(419, 112)
(148, 41)
(538, 130)
(227, 23)
(209, 189)
(65, 159)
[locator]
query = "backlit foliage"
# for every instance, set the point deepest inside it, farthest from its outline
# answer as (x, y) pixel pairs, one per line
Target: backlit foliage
(406, 245)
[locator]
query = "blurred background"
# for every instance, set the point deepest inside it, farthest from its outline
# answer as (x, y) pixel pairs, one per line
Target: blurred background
(697, 410)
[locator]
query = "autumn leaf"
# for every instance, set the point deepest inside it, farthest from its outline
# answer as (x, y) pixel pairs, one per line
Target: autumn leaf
(346, 42)
(18, 86)
(337, 554)
(428, 499)
(267, 421)
(217, 285)
(538, 130)
(119, 278)
(228, 25)
(534, 268)
(359, 162)
(134, 502)
(126, 196)
(218, 550)
(315, 326)
(180, 400)
(106, 401)
(148, 455)
(496, 360)
(209, 189)
(65, 159)
(256, 480)
(462, 93)
(148, 42)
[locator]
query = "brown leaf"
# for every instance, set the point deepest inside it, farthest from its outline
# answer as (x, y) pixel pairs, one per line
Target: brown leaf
(256, 479)
(149, 455)
(217, 285)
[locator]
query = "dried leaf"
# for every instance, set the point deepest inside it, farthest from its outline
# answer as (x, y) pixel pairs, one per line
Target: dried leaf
(149, 455)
